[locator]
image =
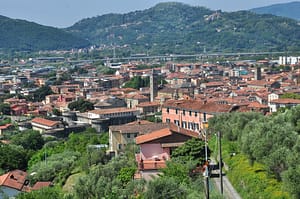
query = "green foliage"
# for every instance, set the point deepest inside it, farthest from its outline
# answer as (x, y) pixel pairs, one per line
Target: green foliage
(28, 36)
(5, 120)
(45, 193)
(29, 140)
(49, 149)
(162, 188)
(290, 96)
(272, 142)
(56, 112)
(56, 167)
(103, 182)
(81, 105)
(179, 171)
(137, 82)
(40, 94)
(106, 70)
(5, 109)
(126, 174)
(12, 157)
(176, 28)
(191, 150)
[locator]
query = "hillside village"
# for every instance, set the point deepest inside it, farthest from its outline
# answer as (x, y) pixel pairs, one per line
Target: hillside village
(176, 106)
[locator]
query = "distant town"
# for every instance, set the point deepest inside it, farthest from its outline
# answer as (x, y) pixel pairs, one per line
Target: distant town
(156, 103)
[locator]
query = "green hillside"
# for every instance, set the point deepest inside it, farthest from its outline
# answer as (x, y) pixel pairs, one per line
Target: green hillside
(23, 35)
(290, 10)
(180, 28)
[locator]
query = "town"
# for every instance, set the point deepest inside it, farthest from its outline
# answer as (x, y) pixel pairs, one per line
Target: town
(156, 104)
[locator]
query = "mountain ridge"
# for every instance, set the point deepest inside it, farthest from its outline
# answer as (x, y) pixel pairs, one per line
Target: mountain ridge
(20, 35)
(180, 28)
(290, 10)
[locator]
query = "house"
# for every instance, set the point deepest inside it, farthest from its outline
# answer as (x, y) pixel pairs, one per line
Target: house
(15, 182)
(121, 135)
(157, 147)
(101, 119)
(192, 114)
(4, 128)
(44, 125)
(282, 103)
(147, 108)
(134, 99)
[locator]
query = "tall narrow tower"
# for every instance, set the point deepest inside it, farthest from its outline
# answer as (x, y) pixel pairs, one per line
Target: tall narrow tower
(153, 85)
(257, 73)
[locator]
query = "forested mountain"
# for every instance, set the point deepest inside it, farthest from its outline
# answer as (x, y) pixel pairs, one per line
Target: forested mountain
(180, 28)
(167, 28)
(23, 35)
(290, 10)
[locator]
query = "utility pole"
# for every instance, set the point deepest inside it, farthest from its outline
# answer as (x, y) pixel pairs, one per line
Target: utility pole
(220, 162)
(207, 165)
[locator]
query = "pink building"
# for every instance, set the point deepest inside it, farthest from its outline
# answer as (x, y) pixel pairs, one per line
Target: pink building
(156, 147)
(191, 114)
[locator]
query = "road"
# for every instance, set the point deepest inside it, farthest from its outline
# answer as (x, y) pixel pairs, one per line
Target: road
(228, 190)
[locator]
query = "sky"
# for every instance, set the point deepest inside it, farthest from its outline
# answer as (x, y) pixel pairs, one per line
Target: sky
(64, 13)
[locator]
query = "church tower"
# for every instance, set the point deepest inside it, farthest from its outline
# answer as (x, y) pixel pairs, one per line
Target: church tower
(153, 85)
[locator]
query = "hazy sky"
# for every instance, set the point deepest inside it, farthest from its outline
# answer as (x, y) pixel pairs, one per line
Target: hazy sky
(64, 13)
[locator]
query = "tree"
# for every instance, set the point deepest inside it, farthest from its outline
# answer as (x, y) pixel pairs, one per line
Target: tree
(103, 182)
(41, 93)
(29, 140)
(81, 105)
(5, 109)
(191, 150)
(12, 157)
(45, 193)
(163, 187)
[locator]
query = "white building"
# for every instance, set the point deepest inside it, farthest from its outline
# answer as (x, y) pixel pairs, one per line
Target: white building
(283, 60)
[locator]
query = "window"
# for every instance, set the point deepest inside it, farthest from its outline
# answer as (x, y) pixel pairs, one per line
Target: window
(128, 135)
(168, 110)
(184, 124)
(135, 135)
(190, 125)
(204, 117)
(196, 126)
(176, 122)
(167, 120)
(196, 114)
(190, 113)
(176, 111)
(183, 112)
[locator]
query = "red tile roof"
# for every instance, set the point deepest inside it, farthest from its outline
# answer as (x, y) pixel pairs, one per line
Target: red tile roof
(44, 122)
(257, 105)
(153, 136)
(39, 185)
(164, 133)
(6, 126)
(111, 110)
(14, 179)
(286, 101)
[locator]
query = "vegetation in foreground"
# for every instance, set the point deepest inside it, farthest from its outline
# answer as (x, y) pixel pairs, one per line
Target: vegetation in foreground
(262, 152)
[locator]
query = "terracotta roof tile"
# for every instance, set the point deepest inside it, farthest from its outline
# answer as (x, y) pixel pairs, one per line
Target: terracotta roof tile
(45, 122)
(14, 179)
(153, 136)
(39, 185)
(164, 133)
(140, 128)
(111, 110)
(286, 101)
